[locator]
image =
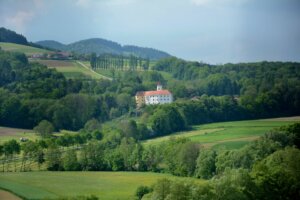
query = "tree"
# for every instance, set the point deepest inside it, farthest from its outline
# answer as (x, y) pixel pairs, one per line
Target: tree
(53, 158)
(30, 150)
(129, 129)
(92, 125)
(206, 167)
(161, 189)
(44, 128)
(167, 119)
(70, 161)
(234, 184)
(93, 60)
(277, 175)
(141, 191)
(10, 148)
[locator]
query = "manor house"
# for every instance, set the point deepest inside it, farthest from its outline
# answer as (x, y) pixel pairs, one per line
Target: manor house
(158, 96)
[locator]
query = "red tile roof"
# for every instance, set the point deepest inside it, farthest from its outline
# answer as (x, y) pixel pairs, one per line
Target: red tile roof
(157, 92)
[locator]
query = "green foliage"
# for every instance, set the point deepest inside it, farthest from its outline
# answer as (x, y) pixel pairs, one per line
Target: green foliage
(277, 176)
(234, 184)
(161, 189)
(53, 157)
(92, 125)
(44, 128)
(129, 129)
(186, 154)
(206, 168)
(11, 36)
(141, 191)
(167, 119)
(70, 161)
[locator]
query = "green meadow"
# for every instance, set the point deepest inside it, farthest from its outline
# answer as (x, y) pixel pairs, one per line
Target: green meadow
(105, 185)
(228, 135)
(28, 50)
(14, 133)
(72, 69)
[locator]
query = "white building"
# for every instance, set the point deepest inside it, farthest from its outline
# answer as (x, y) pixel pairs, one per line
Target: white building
(158, 96)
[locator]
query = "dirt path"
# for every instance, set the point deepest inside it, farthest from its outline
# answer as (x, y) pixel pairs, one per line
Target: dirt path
(8, 196)
(83, 65)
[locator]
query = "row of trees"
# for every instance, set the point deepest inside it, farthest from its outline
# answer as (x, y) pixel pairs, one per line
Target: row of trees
(266, 167)
(118, 62)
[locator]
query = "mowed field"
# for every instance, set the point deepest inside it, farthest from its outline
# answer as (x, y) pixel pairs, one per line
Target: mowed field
(71, 69)
(105, 185)
(28, 50)
(15, 133)
(228, 135)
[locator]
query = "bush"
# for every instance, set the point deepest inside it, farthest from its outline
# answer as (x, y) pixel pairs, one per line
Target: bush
(141, 191)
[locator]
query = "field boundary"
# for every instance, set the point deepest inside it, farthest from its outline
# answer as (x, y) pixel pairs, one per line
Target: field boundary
(91, 70)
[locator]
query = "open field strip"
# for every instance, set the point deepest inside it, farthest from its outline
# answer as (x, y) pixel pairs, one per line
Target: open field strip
(229, 134)
(15, 133)
(28, 50)
(95, 74)
(71, 68)
(105, 185)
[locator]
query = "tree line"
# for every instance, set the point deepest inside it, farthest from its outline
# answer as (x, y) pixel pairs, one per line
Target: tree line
(118, 62)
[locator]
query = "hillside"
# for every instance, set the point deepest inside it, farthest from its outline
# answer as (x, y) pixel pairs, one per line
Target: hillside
(52, 44)
(102, 46)
(28, 50)
(12, 37)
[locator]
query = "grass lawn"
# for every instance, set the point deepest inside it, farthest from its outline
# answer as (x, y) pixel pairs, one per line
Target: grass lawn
(105, 185)
(28, 50)
(229, 135)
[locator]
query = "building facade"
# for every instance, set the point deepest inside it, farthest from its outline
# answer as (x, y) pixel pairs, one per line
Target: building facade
(158, 96)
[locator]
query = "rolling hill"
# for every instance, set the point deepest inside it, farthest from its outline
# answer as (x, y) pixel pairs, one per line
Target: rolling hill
(28, 50)
(102, 46)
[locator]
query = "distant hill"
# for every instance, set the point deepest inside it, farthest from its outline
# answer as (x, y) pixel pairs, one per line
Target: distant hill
(102, 46)
(51, 44)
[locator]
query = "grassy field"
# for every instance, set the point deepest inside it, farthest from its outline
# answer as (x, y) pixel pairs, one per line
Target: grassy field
(228, 135)
(105, 185)
(28, 50)
(14, 133)
(71, 69)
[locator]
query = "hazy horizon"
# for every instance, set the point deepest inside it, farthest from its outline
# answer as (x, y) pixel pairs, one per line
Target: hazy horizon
(212, 31)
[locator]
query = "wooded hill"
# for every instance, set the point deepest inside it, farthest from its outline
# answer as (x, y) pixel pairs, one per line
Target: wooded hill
(9, 36)
(102, 46)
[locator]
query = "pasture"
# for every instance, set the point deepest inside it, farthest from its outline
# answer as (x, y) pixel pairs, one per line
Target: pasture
(71, 69)
(228, 135)
(28, 50)
(105, 185)
(15, 133)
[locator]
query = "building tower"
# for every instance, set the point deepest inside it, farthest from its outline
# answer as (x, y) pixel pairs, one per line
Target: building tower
(159, 86)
